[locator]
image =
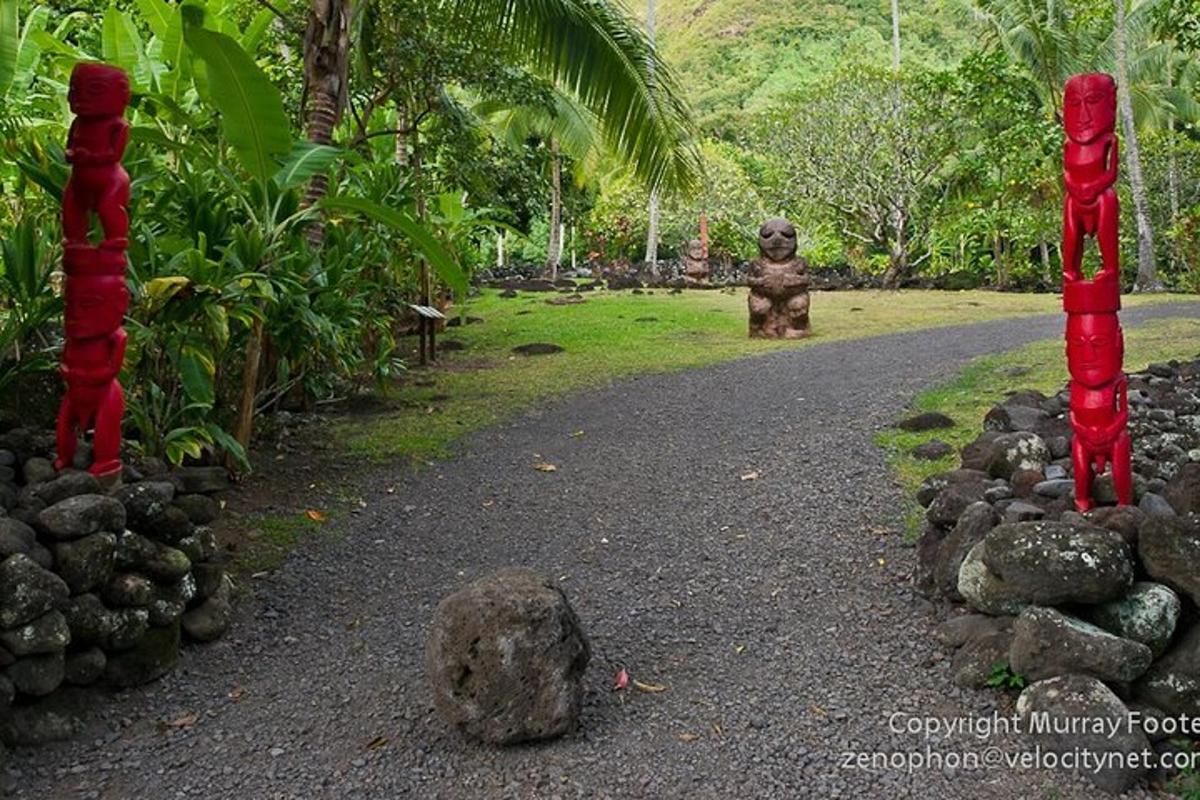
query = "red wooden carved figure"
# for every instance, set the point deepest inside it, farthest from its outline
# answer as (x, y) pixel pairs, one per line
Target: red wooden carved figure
(1095, 342)
(95, 294)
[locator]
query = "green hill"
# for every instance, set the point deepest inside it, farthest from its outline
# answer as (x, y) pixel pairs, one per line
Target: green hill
(738, 56)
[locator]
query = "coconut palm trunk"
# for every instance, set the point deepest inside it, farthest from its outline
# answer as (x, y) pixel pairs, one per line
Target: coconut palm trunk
(652, 211)
(326, 71)
(1147, 274)
(554, 246)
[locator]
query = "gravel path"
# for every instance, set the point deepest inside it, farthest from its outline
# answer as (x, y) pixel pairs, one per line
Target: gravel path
(777, 611)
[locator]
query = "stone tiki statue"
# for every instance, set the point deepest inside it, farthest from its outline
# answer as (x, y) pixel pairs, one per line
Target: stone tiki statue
(779, 283)
(95, 294)
(1095, 342)
(695, 264)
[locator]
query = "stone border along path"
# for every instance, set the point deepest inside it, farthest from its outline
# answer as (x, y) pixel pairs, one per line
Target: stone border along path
(777, 611)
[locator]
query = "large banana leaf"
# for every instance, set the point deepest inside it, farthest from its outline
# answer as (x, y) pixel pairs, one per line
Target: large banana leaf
(121, 44)
(422, 240)
(10, 37)
(252, 116)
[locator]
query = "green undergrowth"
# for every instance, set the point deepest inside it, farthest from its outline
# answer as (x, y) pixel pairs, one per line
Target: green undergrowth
(614, 335)
(986, 381)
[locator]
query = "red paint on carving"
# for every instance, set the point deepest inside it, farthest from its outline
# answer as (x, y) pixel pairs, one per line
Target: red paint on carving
(95, 294)
(1095, 342)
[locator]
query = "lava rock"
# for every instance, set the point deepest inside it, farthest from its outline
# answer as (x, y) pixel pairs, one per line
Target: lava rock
(506, 656)
(52, 719)
(932, 486)
(202, 509)
(86, 563)
(81, 516)
(1047, 643)
(1019, 511)
(974, 664)
(1058, 562)
(27, 591)
(978, 454)
(953, 501)
(1147, 614)
(925, 421)
(1070, 705)
(209, 577)
(932, 450)
(158, 561)
(129, 625)
(1156, 504)
(1017, 451)
(168, 603)
(200, 480)
(145, 502)
(537, 349)
(972, 526)
(85, 667)
(1169, 548)
(1183, 491)
(983, 590)
(38, 470)
(46, 634)
(69, 484)
(1173, 682)
(129, 589)
(1055, 487)
(209, 620)
(154, 655)
(957, 631)
(1125, 520)
(89, 620)
(15, 537)
(37, 675)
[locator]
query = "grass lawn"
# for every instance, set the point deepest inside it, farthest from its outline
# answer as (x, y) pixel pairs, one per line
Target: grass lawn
(617, 334)
(987, 380)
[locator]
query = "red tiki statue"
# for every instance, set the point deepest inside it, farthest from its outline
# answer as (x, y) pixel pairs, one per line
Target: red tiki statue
(1095, 343)
(95, 293)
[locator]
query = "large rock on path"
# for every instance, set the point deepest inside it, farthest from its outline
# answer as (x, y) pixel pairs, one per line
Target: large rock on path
(506, 656)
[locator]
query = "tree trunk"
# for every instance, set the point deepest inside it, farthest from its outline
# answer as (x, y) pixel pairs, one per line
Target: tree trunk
(326, 68)
(1147, 275)
(1172, 170)
(896, 35)
(898, 262)
(554, 247)
(1047, 273)
(652, 210)
(244, 426)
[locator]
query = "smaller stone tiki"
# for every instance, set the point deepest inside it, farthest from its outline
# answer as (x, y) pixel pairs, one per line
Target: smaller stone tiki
(779, 283)
(695, 264)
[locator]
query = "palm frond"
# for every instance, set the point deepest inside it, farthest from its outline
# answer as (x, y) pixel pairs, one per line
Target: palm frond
(600, 56)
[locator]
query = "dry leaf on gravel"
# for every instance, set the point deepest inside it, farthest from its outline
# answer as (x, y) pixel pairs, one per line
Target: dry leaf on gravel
(688, 737)
(545, 466)
(751, 476)
(186, 721)
(652, 688)
(377, 742)
(236, 693)
(577, 434)
(315, 515)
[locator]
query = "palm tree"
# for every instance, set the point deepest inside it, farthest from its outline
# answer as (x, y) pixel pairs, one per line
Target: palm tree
(567, 129)
(652, 210)
(326, 70)
(1147, 275)
(592, 49)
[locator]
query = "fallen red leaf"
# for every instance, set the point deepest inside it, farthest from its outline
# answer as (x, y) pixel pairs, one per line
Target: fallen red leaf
(621, 681)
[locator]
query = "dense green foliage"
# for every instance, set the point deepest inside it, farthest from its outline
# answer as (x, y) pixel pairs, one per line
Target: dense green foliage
(237, 307)
(961, 177)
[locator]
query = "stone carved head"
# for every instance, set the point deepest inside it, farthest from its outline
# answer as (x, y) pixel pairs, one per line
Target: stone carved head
(777, 240)
(694, 250)
(1089, 106)
(98, 90)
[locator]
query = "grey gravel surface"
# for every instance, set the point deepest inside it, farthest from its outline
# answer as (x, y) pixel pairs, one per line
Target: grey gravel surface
(777, 611)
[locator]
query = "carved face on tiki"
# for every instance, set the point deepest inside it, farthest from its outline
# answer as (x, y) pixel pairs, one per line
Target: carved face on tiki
(694, 250)
(777, 240)
(1089, 106)
(1095, 348)
(98, 90)
(95, 305)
